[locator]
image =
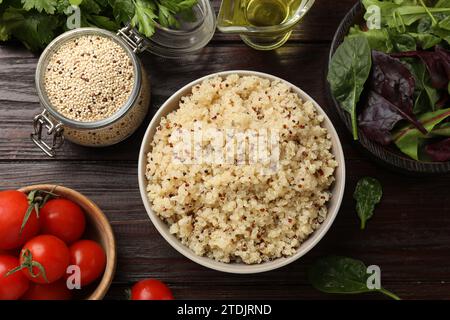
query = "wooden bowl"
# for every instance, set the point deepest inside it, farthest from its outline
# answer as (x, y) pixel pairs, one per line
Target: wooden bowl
(386, 155)
(97, 229)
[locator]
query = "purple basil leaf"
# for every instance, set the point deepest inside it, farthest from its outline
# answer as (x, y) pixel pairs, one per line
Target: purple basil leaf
(439, 151)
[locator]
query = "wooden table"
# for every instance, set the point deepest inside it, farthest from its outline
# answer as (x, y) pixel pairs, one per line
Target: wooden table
(409, 237)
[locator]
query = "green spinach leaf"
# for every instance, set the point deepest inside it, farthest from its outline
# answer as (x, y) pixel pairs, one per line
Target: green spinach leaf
(367, 194)
(335, 274)
(404, 42)
(379, 39)
(426, 95)
(426, 40)
(348, 72)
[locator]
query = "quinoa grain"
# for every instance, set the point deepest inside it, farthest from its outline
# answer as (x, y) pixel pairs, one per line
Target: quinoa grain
(231, 212)
(81, 82)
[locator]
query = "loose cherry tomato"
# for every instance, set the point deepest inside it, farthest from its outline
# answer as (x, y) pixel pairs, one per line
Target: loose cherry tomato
(44, 259)
(90, 257)
(12, 286)
(13, 207)
(54, 291)
(151, 289)
(63, 219)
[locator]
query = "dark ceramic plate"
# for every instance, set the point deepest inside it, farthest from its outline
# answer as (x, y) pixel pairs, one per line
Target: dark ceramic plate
(389, 155)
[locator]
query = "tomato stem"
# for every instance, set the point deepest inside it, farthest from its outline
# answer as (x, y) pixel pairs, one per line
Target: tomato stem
(36, 200)
(29, 264)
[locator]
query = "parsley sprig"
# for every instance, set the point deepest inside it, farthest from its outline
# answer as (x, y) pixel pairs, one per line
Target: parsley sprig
(36, 22)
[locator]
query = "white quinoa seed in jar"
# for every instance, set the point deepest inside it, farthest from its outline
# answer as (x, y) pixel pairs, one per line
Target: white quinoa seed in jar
(89, 78)
(92, 84)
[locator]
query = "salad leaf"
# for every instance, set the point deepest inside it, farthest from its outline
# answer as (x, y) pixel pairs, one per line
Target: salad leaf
(426, 40)
(400, 14)
(426, 95)
(437, 63)
(445, 23)
(408, 138)
(404, 42)
(335, 274)
(367, 194)
(348, 71)
(379, 117)
(439, 151)
(442, 130)
(390, 98)
(379, 39)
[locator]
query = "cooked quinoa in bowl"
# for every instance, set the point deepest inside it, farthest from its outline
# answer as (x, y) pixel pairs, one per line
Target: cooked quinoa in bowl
(242, 209)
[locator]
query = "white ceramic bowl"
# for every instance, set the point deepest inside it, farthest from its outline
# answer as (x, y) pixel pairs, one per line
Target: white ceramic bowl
(333, 206)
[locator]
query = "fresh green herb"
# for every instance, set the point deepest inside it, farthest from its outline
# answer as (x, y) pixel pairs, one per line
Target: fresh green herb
(334, 274)
(37, 22)
(367, 194)
(348, 71)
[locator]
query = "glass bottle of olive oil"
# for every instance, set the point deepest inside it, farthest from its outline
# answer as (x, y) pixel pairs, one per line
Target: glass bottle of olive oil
(262, 24)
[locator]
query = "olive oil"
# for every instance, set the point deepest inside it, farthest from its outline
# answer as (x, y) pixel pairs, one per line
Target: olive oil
(265, 13)
(262, 24)
(258, 13)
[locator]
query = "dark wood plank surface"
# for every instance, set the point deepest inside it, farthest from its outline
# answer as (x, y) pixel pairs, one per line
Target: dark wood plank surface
(409, 237)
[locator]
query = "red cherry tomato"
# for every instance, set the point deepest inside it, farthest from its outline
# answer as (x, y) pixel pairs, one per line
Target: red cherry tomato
(63, 219)
(50, 253)
(13, 206)
(12, 286)
(151, 289)
(54, 291)
(90, 257)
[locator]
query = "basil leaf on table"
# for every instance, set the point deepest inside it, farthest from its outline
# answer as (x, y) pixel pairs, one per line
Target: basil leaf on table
(408, 138)
(348, 72)
(335, 274)
(368, 193)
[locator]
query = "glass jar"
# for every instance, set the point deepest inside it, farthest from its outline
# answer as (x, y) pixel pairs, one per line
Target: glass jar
(101, 133)
(262, 24)
(190, 37)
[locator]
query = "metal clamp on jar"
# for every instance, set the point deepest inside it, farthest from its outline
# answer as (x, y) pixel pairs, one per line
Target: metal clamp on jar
(56, 123)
